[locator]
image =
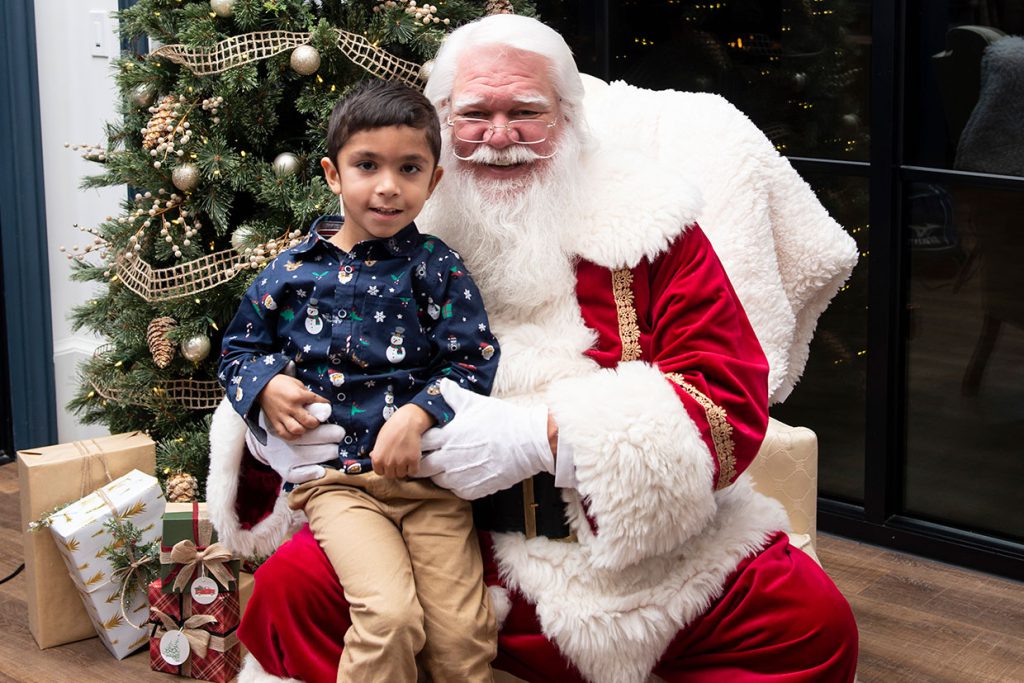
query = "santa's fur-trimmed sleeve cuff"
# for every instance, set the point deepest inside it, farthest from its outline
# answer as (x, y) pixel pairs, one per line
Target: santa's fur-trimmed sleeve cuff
(227, 449)
(645, 473)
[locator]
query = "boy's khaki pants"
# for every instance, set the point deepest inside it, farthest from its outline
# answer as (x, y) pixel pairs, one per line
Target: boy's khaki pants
(409, 561)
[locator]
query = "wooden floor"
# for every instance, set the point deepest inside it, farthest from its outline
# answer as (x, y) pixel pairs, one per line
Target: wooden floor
(919, 620)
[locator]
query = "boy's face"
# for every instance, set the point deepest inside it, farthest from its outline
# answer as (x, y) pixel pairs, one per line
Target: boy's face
(383, 175)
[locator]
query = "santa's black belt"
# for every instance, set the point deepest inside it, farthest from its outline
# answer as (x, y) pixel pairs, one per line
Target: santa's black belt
(533, 507)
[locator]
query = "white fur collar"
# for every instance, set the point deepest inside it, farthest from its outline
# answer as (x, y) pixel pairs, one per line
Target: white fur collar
(635, 207)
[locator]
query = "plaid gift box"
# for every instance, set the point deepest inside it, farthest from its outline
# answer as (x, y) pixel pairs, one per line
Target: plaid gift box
(225, 608)
(206, 657)
(189, 549)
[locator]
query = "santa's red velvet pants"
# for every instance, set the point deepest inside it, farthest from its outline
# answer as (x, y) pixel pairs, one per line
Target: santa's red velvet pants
(780, 620)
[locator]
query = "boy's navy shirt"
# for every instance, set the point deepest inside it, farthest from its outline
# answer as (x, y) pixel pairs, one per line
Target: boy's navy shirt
(369, 330)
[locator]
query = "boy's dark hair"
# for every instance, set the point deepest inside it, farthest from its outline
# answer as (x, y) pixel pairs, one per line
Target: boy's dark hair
(377, 104)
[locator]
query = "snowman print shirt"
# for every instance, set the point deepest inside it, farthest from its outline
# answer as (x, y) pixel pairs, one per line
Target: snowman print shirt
(369, 330)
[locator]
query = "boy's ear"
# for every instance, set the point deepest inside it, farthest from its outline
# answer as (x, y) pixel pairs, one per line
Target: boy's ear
(438, 172)
(331, 175)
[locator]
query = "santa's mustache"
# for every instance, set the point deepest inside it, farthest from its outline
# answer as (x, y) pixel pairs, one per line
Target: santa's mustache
(509, 156)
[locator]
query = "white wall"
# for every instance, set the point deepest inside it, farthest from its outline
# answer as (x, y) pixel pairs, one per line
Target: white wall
(76, 96)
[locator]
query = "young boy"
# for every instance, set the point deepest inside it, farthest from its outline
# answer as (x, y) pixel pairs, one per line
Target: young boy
(369, 315)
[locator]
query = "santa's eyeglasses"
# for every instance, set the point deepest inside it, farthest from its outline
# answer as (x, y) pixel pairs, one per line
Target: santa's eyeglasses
(520, 131)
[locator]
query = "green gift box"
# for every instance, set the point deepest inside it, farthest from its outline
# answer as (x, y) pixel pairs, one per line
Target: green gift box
(189, 549)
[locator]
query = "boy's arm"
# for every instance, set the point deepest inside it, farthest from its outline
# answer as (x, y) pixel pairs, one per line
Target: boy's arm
(250, 355)
(465, 350)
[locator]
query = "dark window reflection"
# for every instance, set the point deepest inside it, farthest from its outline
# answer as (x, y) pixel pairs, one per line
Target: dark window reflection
(964, 93)
(965, 358)
(798, 68)
(830, 399)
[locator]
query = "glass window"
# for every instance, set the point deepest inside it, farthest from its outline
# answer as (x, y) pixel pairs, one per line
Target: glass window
(830, 398)
(964, 97)
(797, 68)
(965, 357)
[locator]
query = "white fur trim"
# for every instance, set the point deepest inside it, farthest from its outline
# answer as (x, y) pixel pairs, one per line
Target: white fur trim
(636, 206)
(614, 624)
(252, 672)
(501, 602)
(785, 256)
(640, 461)
(227, 445)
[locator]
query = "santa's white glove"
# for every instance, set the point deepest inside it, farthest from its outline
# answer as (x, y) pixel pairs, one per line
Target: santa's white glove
(298, 460)
(490, 445)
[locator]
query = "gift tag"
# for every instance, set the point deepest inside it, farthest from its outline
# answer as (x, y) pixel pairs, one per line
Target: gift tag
(174, 648)
(204, 590)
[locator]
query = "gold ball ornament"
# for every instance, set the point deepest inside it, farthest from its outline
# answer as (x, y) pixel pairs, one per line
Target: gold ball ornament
(196, 348)
(223, 8)
(143, 95)
(305, 60)
(285, 164)
(425, 70)
(242, 238)
(185, 177)
(182, 488)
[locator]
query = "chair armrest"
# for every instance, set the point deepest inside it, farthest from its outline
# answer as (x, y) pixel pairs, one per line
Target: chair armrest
(786, 468)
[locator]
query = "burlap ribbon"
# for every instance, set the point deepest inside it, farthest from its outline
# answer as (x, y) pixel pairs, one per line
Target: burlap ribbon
(211, 558)
(198, 639)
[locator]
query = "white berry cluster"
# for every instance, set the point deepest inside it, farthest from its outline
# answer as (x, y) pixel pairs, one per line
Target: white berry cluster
(89, 152)
(175, 221)
(424, 14)
(213, 105)
(168, 130)
(260, 255)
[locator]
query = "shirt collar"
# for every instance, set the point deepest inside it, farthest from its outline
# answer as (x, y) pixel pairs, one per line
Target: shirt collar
(325, 227)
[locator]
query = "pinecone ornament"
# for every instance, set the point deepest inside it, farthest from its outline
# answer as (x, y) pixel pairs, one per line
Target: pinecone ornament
(498, 7)
(182, 488)
(162, 123)
(160, 346)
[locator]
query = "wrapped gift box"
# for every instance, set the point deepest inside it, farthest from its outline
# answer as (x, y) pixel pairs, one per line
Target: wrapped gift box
(187, 526)
(81, 536)
(56, 475)
(218, 619)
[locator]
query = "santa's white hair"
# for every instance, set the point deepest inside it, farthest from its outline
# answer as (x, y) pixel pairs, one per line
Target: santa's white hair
(514, 32)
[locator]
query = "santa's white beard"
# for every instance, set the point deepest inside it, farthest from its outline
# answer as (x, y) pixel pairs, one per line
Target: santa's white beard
(513, 235)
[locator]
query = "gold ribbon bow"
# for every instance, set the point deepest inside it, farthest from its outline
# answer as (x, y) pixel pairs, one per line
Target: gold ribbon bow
(198, 639)
(212, 558)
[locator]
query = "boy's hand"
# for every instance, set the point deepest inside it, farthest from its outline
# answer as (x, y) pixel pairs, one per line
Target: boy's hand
(396, 452)
(282, 401)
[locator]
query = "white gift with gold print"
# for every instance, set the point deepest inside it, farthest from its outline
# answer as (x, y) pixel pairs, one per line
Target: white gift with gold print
(81, 536)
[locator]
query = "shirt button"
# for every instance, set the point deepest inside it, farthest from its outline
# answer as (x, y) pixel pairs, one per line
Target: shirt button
(343, 314)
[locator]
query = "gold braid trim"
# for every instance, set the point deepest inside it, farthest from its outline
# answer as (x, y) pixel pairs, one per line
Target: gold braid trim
(721, 431)
(629, 331)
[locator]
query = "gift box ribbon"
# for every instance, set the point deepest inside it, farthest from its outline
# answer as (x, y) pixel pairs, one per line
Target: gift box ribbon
(125, 575)
(199, 641)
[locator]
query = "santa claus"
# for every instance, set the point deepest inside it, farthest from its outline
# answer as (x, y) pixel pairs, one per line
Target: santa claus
(621, 536)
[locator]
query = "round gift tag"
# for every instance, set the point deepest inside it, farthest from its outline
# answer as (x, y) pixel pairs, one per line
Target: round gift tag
(204, 590)
(174, 648)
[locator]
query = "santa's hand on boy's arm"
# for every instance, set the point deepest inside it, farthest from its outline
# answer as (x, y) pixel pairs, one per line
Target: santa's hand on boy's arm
(490, 445)
(298, 460)
(284, 402)
(397, 451)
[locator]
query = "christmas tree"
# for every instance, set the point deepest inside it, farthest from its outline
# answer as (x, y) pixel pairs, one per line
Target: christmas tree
(223, 126)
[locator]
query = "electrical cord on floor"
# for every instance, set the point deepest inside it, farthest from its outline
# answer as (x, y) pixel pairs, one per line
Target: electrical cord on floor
(13, 574)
